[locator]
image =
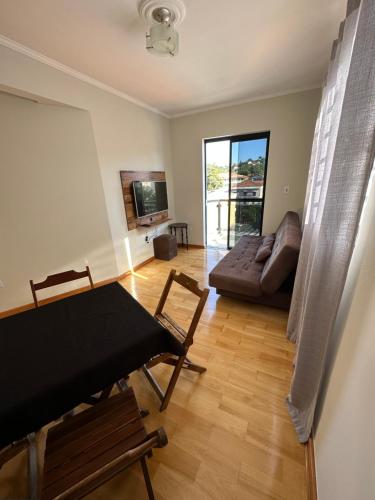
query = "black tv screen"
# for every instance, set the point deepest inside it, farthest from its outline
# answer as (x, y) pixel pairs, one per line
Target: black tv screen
(150, 197)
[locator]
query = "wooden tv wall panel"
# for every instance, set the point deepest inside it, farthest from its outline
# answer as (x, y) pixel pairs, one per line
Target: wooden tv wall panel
(127, 179)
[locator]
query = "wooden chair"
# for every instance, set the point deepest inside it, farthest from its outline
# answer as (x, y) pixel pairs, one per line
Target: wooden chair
(58, 279)
(80, 454)
(186, 338)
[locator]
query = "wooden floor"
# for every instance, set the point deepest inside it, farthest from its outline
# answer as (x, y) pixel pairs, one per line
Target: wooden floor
(229, 433)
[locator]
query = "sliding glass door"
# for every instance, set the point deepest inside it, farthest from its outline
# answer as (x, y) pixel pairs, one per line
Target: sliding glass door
(236, 171)
(247, 183)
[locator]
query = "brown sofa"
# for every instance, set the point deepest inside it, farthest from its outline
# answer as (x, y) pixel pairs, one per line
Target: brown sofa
(269, 282)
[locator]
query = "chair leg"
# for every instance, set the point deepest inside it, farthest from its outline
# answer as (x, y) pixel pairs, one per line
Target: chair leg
(189, 365)
(122, 384)
(144, 412)
(32, 463)
(105, 393)
(172, 383)
(147, 479)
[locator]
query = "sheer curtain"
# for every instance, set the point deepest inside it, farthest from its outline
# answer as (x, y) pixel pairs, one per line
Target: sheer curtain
(341, 163)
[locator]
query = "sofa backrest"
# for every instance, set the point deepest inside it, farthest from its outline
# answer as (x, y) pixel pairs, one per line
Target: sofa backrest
(285, 252)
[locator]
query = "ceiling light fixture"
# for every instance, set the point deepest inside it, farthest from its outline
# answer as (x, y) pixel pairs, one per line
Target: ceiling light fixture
(161, 17)
(162, 38)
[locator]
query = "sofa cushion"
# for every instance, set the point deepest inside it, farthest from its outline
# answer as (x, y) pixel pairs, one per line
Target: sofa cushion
(237, 271)
(269, 239)
(284, 257)
(265, 249)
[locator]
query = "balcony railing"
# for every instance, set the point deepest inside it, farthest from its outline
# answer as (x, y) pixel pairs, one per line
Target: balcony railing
(245, 218)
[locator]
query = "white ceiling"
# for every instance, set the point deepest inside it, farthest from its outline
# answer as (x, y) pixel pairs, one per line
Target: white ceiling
(230, 51)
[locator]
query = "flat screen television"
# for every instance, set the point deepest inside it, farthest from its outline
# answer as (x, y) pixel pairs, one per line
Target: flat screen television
(150, 197)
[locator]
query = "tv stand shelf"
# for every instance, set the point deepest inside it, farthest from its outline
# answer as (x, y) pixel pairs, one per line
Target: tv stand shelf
(153, 223)
(127, 179)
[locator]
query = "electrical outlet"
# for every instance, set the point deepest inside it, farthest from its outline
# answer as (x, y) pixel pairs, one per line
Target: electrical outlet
(286, 189)
(2, 284)
(147, 238)
(86, 262)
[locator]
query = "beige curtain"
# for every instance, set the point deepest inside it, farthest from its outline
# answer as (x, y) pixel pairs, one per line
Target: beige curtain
(341, 163)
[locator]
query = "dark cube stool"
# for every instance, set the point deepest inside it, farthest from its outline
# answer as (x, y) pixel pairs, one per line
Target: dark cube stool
(165, 247)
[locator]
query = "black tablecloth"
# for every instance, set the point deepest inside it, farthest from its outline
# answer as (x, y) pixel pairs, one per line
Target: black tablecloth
(54, 357)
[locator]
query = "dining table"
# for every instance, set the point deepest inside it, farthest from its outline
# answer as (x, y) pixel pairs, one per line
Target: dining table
(57, 356)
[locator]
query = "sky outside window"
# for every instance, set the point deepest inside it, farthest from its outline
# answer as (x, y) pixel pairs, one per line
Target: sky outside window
(217, 153)
(248, 150)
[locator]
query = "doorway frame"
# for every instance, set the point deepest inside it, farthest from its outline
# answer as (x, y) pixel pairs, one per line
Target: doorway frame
(236, 138)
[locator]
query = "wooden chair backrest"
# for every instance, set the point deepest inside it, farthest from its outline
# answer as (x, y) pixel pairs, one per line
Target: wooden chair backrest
(192, 285)
(102, 421)
(156, 439)
(58, 279)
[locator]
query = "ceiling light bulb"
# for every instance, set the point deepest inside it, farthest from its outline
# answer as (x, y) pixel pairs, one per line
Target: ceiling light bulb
(161, 15)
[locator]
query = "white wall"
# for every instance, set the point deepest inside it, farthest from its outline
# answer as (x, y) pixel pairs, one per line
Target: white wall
(345, 435)
(291, 120)
(52, 208)
(127, 137)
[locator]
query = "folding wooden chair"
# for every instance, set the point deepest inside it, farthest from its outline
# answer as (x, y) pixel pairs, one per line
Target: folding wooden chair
(58, 279)
(85, 451)
(186, 338)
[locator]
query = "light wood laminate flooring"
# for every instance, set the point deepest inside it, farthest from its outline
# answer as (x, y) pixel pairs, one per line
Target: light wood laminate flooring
(230, 436)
